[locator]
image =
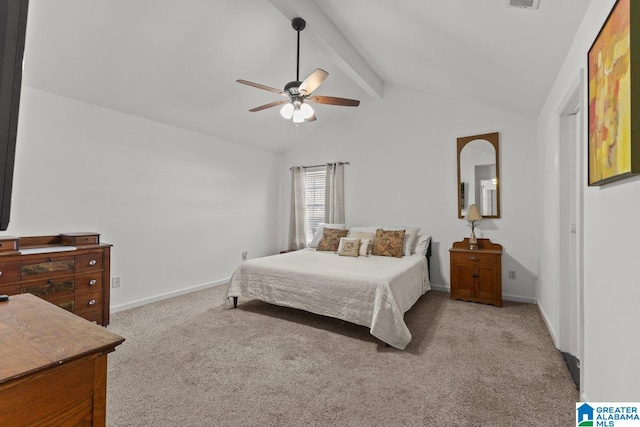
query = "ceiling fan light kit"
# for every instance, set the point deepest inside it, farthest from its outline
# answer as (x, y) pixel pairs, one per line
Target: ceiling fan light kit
(296, 108)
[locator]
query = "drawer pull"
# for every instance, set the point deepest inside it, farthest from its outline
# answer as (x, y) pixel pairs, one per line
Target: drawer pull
(475, 275)
(92, 302)
(49, 282)
(474, 258)
(1, 244)
(49, 260)
(92, 262)
(92, 282)
(0, 273)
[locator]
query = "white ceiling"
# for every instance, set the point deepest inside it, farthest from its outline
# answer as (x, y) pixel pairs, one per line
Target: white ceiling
(176, 61)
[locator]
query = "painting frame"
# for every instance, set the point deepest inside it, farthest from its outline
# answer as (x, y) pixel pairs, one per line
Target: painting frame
(613, 122)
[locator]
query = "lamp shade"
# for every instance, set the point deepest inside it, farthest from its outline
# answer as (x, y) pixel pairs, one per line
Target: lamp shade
(287, 111)
(473, 214)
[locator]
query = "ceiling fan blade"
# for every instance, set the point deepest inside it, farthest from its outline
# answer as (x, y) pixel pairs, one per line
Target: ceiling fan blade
(263, 87)
(312, 82)
(269, 105)
(332, 100)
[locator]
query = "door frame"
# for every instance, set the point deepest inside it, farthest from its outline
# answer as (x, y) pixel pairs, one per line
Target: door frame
(571, 299)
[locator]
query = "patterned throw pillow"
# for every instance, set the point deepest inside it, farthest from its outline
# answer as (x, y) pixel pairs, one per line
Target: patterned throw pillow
(364, 235)
(330, 239)
(388, 243)
(349, 247)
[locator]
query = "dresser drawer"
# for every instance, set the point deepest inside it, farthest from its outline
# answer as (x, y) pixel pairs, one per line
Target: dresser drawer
(88, 262)
(8, 244)
(10, 289)
(92, 316)
(90, 282)
(38, 267)
(9, 272)
(42, 288)
(91, 301)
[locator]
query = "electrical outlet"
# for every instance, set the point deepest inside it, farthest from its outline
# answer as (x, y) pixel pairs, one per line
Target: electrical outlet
(115, 282)
(244, 255)
(512, 274)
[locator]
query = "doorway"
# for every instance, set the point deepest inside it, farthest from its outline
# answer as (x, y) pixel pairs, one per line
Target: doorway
(570, 236)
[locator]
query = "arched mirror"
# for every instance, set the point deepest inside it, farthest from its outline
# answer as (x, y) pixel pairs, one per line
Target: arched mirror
(479, 175)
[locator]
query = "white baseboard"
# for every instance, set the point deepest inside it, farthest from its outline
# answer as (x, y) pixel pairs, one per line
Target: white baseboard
(549, 328)
(514, 298)
(441, 288)
(138, 303)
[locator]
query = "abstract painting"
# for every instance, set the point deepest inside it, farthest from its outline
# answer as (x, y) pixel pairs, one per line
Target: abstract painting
(614, 151)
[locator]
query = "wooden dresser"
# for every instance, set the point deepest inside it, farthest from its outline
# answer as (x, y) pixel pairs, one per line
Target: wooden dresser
(53, 369)
(70, 270)
(476, 275)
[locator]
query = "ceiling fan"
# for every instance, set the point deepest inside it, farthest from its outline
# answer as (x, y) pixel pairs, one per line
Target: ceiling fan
(299, 93)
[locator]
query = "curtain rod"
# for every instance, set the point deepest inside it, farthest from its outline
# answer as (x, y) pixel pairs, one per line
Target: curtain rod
(317, 166)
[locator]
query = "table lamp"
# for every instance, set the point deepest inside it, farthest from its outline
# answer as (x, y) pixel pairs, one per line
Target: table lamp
(473, 216)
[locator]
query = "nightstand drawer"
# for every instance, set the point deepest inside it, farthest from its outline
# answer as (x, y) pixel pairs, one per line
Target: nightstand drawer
(474, 258)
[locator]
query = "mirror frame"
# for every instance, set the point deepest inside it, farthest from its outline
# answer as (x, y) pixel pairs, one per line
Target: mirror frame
(493, 139)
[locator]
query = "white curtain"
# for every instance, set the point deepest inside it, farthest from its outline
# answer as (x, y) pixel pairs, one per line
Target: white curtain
(334, 194)
(297, 234)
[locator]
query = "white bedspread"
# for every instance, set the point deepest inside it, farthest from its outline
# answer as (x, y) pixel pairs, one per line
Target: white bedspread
(371, 291)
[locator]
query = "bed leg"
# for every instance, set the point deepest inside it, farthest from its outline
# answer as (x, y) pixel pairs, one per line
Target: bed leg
(235, 302)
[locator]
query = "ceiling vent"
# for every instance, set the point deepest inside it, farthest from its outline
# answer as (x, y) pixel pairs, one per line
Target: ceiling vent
(524, 4)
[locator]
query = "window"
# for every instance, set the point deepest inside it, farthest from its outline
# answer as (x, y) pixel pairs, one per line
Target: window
(315, 179)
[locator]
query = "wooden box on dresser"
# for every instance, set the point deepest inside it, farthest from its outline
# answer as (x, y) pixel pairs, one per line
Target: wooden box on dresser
(476, 274)
(71, 270)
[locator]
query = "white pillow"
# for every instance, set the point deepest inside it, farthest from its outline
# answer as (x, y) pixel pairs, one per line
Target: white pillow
(410, 235)
(371, 229)
(364, 245)
(318, 235)
(422, 245)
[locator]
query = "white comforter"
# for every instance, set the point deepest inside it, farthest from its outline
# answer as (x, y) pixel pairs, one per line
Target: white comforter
(372, 291)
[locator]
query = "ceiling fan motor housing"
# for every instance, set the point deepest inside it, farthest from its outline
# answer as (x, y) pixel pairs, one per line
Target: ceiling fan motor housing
(292, 88)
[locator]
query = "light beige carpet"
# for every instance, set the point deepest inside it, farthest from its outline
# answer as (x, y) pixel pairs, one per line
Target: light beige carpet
(187, 361)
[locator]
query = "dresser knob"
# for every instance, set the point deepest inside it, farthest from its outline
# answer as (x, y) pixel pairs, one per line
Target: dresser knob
(49, 282)
(49, 260)
(92, 282)
(0, 273)
(1, 244)
(92, 302)
(474, 258)
(92, 262)
(475, 275)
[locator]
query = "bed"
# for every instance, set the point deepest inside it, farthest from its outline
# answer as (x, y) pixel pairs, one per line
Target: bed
(372, 291)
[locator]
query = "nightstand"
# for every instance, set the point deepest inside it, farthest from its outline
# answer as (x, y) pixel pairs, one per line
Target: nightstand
(476, 275)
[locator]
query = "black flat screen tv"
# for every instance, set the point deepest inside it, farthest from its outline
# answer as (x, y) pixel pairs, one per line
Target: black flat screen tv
(13, 29)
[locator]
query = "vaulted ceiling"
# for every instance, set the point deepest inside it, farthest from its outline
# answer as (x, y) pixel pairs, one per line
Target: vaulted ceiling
(176, 61)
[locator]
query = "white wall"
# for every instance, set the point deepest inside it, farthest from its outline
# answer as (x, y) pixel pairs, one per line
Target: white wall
(178, 206)
(402, 151)
(611, 293)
